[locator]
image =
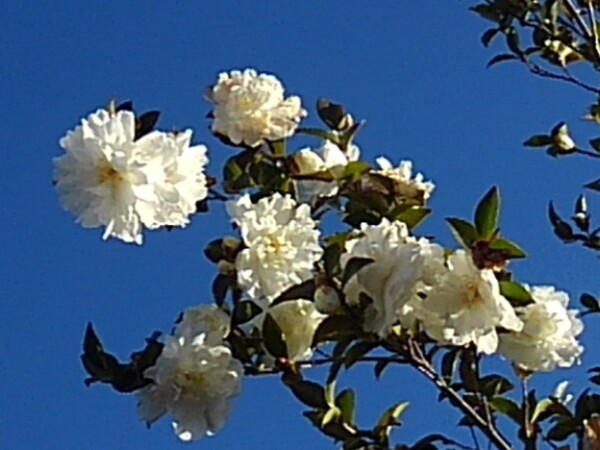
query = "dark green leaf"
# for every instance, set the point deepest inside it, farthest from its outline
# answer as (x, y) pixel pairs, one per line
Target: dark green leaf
(305, 290)
(561, 431)
(487, 214)
(353, 266)
(346, 401)
(245, 311)
(489, 36)
(331, 259)
(502, 57)
(145, 123)
(507, 407)
(594, 185)
(412, 216)
(465, 233)
(273, 338)
(539, 140)
(214, 251)
(595, 144)
(356, 352)
(332, 114)
(354, 170)
(515, 292)
(380, 366)
(309, 393)
(222, 284)
(238, 346)
(334, 328)
(495, 385)
(509, 249)
(590, 302)
(449, 364)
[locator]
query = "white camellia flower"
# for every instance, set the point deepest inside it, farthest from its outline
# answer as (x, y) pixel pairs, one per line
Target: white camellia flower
(403, 266)
(282, 244)
(328, 157)
(194, 378)
(108, 179)
(404, 184)
(549, 336)
(298, 321)
(465, 306)
(209, 320)
(250, 108)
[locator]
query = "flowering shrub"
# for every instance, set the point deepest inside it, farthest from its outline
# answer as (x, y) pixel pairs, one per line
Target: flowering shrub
(288, 296)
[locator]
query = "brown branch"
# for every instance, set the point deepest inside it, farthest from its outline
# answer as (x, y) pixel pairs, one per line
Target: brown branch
(541, 72)
(594, 35)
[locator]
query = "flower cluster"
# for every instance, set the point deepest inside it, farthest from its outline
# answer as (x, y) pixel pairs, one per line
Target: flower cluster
(250, 108)
(195, 376)
(282, 244)
(107, 178)
(406, 186)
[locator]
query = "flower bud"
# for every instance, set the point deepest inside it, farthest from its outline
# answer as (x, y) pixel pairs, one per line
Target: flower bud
(327, 300)
(307, 162)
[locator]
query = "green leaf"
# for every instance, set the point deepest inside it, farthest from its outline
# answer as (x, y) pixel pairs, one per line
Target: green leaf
(335, 328)
(561, 430)
(346, 402)
(309, 393)
(487, 214)
(412, 216)
(354, 170)
(515, 292)
(543, 410)
(508, 248)
(278, 148)
(331, 259)
(356, 352)
(273, 338)
(488, 36)
(595, 144)
(594, 185)
(449, 364)
(468, 372)
(502, 57)
(380, 366)
(305, 290)
(245, 311)
(353, 266)
(465, 233)
(539, 140)
(222, 284)
(589, 302)
(495, 385)
(390, 418)
(330, 416)
(214, 251)
(508, 408)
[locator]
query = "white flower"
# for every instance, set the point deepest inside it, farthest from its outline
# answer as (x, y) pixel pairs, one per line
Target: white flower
(282, 244)
(193, 382)
(250, 108)
(298, 321)
(548, 339)
(327, 300)
(328, 157)
(560, 392)
(106, 178)
(403, 266)
(465, 306)
(209, 320)
(404, 185)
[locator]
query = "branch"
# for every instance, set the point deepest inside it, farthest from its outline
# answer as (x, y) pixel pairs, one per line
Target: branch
(594, 35)
(541, 72)
(419, 362)
(576, 15)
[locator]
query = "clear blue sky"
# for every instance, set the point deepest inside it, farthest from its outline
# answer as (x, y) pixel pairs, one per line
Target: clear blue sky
(414, 70)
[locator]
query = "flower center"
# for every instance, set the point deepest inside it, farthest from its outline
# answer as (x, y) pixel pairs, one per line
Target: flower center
(277, 248)
(473, 295)
(108, 175)
(190, 383)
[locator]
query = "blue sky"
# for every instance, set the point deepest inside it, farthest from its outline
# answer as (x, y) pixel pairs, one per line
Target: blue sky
(415, 71)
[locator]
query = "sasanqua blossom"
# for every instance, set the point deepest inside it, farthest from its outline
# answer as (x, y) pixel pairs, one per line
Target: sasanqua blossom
(465, 306)
(250, 108)
(402, 267)
(298, 321)
(282, 244)
(549, 336)
(194, 379)
(406, 186)
(328, 157)
(109, 179)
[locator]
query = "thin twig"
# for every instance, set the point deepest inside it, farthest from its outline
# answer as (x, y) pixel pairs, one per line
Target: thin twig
(529, 435)
(541, 72)
(423, 366)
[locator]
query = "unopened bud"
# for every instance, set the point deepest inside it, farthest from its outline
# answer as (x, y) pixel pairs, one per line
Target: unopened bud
(307, 162)
(225, 267)
(327, 300)
(562, 142)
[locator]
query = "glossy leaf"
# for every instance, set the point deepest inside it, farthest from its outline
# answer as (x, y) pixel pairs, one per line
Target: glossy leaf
(487, 214)
(273, 338)
(465, 233)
